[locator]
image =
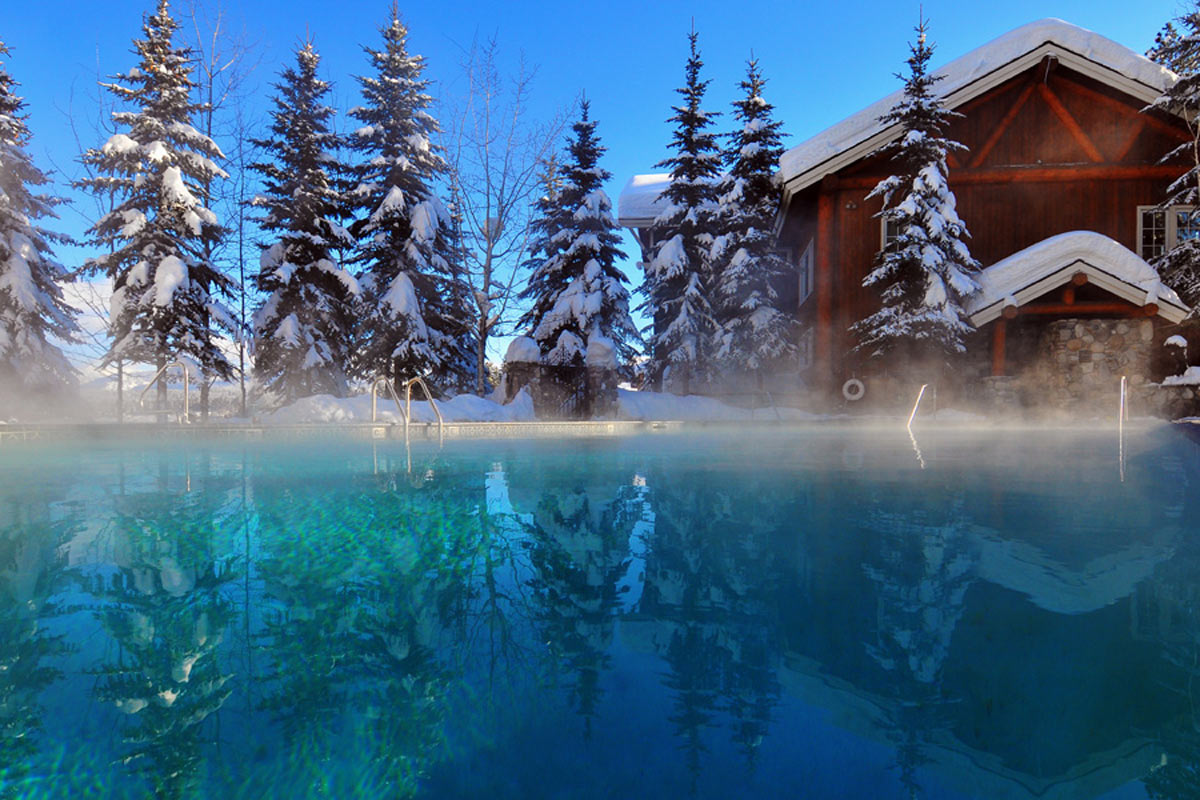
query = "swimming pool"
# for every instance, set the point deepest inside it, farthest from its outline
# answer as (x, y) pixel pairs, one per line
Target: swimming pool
(818, 612)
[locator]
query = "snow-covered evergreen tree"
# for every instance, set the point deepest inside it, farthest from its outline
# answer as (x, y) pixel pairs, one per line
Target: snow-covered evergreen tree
(164, 299)
(1179, 267)
(32, 308)
(415, 322)
(752, 329)
(578, 293)
(303, 327)
(677, 281)
(925, 274)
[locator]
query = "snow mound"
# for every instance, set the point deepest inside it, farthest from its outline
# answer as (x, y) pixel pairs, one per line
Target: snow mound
(1029, 273)
(601, 352)
(325, 408)
(523, 350)
(651, 406)
(1190, 377)
(1175, 341)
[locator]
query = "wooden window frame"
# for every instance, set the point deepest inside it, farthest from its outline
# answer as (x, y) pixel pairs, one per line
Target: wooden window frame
(1170, 226)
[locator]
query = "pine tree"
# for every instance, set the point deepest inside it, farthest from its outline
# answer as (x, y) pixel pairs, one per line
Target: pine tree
(159, 231)
(576, 287)
(302, 329)
(924, 275)
(1179, 267)
(416, 320)
(32, 308)
(677, 283)
(752, 330)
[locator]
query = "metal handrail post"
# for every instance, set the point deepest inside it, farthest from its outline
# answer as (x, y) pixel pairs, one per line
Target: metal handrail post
(187, 411)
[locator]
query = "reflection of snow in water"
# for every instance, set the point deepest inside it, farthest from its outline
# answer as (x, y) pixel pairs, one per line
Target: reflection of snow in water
(631, 584)
(499, 507)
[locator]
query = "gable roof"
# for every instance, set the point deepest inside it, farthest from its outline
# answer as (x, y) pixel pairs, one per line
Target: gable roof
(963, 79)
(1030, 273)
(971, 75)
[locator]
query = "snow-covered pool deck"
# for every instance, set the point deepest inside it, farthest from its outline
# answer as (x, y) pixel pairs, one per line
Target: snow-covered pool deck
(417, 431)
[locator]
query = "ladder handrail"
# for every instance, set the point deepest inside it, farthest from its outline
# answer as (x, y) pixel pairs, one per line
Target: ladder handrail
(187, 412)
(395, 398)
(408, 384)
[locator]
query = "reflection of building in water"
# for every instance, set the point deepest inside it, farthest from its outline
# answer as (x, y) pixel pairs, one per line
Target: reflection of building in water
(1002, 662)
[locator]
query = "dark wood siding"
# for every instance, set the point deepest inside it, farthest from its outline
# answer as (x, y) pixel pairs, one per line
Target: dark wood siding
(1050, 151)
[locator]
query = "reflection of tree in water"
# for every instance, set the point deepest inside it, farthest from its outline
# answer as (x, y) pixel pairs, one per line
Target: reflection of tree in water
(577, 558)
(361, 583)
(922, 570)
(32, 560)
(417, 548)
(713, 579)
(165, 609)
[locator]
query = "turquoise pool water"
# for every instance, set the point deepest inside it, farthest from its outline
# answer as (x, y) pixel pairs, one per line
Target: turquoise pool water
(817, 612)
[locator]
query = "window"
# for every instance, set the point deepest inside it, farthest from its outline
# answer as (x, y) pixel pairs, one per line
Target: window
(805, 272)
(889, 232)
(1160, 229)
(805, 347)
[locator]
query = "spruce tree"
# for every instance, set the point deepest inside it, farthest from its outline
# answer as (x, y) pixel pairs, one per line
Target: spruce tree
(416, 320)
(925, 274)
(677, 280)
(1179, 267)
(578, 293)
(32, 308)
(303, 327)
(159, 232)
(752, 329)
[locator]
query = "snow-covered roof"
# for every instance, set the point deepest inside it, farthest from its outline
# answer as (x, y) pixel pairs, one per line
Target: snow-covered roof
(970, 76)
(964, 78)
(1030, 273)
(639, 202)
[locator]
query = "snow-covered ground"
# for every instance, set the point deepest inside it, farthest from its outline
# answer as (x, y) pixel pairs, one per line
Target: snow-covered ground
(1190, 377)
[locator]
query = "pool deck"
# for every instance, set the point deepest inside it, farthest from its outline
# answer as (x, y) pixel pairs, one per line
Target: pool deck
(417, 431)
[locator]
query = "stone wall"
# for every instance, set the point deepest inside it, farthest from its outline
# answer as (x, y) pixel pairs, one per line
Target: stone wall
(1080, 362)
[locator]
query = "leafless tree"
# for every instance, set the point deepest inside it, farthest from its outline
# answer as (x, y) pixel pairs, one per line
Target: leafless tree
(225, 61)
(495, 153)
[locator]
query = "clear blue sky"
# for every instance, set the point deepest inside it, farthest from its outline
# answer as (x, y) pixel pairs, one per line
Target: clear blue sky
(823, 61)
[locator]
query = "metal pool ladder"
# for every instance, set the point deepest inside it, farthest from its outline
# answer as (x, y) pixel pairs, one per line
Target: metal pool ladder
(406, 409)
(160, 375)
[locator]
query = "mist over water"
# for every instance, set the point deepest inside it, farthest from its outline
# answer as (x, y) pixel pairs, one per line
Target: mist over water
(751, 613)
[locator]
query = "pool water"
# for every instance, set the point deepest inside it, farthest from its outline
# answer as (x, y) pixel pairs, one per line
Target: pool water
(810, 612)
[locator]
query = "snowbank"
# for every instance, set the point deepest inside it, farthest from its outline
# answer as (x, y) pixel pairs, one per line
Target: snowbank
(661, 406)
(463, 408)
(1190, 377)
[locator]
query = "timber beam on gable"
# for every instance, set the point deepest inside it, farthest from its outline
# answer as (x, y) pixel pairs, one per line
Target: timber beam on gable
(1041, 174)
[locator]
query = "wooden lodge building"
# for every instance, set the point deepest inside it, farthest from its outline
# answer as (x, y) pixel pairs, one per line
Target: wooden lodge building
(1059, 187)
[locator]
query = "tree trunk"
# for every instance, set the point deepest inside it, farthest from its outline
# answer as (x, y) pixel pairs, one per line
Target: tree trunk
(480, 358)
(160, 397)
(120, 391)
